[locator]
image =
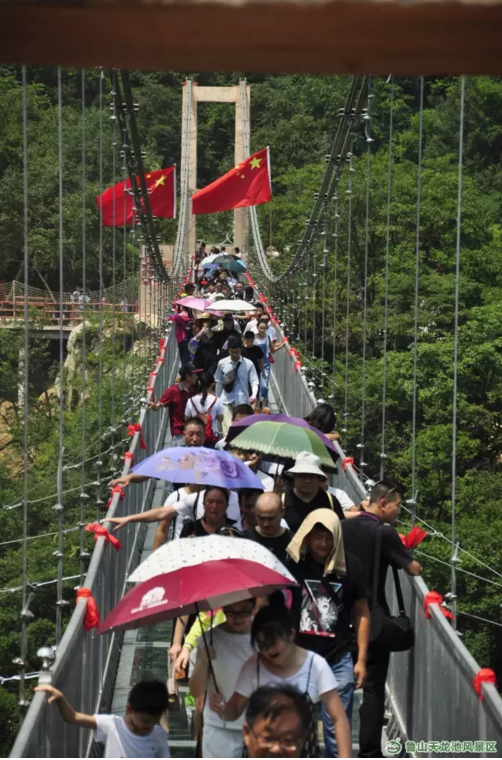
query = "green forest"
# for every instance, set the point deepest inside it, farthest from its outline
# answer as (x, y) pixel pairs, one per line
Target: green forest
(297, 117)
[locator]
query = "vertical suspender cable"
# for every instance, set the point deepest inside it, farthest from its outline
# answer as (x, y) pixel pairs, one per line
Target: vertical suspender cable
(124, 304)
(335, 267)
(59, 505)
(99, 501)
(369, 140)
(25, 615)
(83, 495)
(347, 310)
(455, 356)
(323, 296)
(413, 500)
(314, 295)
(383, 455)
(114, 244)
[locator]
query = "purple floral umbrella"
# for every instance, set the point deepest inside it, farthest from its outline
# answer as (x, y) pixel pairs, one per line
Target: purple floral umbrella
(236, 428)
(198, 465)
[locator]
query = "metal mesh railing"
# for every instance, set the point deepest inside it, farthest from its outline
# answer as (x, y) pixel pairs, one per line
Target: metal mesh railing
(86, 665)
(430, 690)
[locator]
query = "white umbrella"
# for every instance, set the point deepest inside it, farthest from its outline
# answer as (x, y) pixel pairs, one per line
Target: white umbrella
(233, 306)
(187, 552)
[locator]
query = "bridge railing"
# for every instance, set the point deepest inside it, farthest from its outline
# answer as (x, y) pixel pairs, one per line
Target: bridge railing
(430, 688)
(85, 665)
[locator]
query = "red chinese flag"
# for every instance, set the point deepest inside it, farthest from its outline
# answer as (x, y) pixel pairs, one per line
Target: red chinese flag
(116, 203)
(247, 184)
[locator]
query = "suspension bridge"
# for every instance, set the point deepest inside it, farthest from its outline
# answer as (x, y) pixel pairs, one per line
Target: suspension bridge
(433, 695)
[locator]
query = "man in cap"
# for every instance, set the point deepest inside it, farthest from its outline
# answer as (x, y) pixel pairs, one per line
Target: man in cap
(307, 493)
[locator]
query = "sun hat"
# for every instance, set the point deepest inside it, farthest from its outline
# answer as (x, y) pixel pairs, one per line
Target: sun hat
(306, 463)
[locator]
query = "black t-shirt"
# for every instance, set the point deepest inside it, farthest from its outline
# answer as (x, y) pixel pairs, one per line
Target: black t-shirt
(255, 354)
(197, 528)
(322, 620)
(359, 539)
(297, 509)
(276, 545)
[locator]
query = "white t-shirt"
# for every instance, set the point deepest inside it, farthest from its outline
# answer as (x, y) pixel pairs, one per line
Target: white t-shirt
(314, 673)
(264, 344)
(232, 651)
(185, 505)
(212, 406)
(344, 499)
(252, 326)
(121, 742)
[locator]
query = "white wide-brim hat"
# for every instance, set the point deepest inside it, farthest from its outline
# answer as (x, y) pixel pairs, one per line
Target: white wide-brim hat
(307, 463)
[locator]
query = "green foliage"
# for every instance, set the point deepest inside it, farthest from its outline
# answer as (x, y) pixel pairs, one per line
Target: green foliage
(479, 437)
(9, 716)
(297, 117)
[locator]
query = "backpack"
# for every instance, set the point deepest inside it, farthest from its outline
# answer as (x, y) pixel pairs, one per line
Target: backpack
(207, 419)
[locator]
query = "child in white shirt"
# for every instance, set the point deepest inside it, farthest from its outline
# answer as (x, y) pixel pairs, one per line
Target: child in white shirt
(136, 735)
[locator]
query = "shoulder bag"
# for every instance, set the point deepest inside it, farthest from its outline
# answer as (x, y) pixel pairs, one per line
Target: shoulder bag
(388, 633)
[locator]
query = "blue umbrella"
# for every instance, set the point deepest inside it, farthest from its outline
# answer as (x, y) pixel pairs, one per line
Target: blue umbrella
(198, 465)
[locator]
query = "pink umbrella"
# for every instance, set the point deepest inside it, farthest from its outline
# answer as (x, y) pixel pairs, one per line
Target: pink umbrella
(188, 590)
(193, 303)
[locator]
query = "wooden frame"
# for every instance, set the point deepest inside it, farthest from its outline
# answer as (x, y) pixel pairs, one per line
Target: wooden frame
(337, 36)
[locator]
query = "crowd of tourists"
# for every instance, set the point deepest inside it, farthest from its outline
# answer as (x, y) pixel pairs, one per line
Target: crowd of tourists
(265, 672)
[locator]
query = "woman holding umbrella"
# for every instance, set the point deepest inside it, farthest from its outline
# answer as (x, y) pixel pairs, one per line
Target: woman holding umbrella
(230, 643)
(280, 661)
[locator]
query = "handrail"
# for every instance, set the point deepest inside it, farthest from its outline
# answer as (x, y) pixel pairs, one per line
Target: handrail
(85, 664)
(430, 688)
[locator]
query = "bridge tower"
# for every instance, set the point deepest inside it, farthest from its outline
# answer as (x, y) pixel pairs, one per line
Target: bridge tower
(216, 95)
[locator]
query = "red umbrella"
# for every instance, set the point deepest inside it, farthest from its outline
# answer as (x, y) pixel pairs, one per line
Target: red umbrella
(191, 589)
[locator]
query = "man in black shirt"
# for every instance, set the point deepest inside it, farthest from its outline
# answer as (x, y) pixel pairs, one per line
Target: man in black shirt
(359, 539)
(307, 493)
(332, 594)
(214, 519)
(269, 532)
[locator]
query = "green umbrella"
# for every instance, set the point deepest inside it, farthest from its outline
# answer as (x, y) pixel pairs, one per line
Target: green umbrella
(280, 439)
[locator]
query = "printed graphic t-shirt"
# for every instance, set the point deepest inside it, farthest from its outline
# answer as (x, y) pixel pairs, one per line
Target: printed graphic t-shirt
(322, 620)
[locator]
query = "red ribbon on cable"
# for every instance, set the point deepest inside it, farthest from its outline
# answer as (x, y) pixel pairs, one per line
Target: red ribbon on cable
(136, 428)
(291, 351)
(162, 343)
(91, 619)
(414, 537)
(286, 339)
(100, 530)
(151, 390)
(297, 365)
(484, 675)
(129, 455)
(115, 489)
(347, 461)
(434, 597)
(160, 362)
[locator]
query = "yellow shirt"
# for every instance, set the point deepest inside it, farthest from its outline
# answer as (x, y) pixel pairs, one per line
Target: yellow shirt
(203, 623)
